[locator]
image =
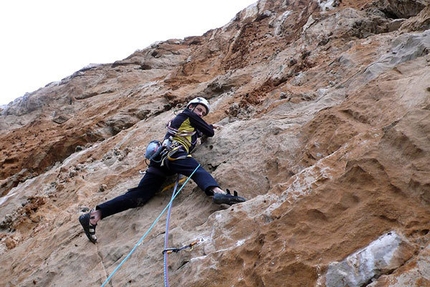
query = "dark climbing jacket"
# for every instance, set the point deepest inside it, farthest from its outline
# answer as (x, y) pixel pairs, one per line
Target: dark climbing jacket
(186, 128)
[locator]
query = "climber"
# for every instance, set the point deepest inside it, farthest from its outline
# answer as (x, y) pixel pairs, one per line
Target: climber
(174, 158)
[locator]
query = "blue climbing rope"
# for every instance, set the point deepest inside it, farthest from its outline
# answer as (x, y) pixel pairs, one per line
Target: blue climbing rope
(148, 231)
(166, 235)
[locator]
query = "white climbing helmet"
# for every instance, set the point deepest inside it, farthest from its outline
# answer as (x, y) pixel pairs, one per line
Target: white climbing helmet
(201, 101)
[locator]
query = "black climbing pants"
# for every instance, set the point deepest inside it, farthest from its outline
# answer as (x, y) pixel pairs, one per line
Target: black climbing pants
(153, 180)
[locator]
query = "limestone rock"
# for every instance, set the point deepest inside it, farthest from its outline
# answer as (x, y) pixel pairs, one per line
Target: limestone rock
(324, 109)
(382, 256)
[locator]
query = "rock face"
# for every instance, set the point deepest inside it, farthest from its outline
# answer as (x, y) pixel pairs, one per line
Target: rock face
(325, 115)
(385, 254)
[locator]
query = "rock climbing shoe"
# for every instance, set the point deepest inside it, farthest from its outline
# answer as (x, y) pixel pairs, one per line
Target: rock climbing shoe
(230, 199)
(89, 229)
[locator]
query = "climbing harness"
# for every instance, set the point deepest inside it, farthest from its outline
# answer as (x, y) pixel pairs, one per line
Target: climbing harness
(178, 139)
(159, 152)
(174, 147)
(149, 230)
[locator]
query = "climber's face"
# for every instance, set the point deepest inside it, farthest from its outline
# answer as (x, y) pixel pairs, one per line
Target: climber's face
(199, 109)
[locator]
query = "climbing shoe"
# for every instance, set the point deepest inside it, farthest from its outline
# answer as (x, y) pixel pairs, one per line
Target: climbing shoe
(230, 199)
(89, 229)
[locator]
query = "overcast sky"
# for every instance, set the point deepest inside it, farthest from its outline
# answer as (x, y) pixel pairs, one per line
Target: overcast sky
(43, 41)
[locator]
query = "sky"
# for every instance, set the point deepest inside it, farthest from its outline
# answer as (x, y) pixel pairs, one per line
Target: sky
(45, 41)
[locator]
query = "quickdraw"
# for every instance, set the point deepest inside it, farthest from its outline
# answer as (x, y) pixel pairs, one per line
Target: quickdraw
(176, 250)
